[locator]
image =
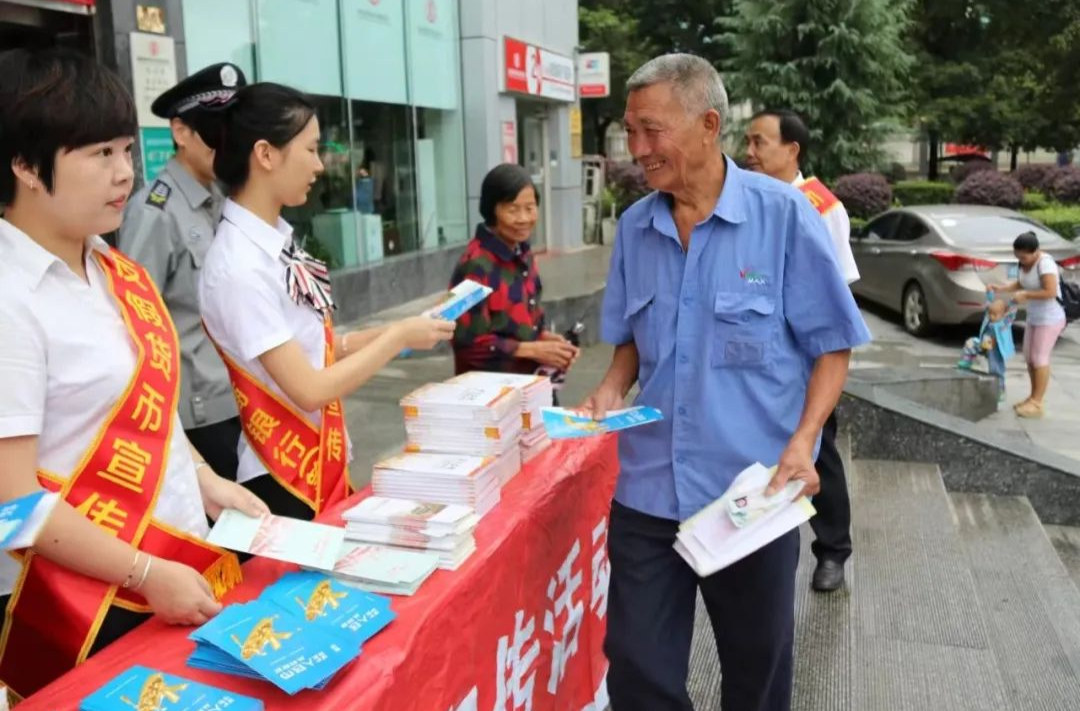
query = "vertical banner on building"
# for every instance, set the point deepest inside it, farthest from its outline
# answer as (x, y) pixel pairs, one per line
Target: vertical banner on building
(575, 132)
(509, 142)
(153, 71)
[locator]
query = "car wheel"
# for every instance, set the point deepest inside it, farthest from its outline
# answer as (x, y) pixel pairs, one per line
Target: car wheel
(914, 312)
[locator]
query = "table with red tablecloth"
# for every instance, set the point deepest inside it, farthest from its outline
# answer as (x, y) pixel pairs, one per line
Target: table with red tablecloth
(523, 619)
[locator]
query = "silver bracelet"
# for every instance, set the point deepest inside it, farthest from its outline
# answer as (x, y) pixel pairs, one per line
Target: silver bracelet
(203, 463)
(146, 571)
(131, 573)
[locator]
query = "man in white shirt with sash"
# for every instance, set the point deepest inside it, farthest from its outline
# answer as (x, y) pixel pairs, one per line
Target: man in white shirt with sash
(776, 145)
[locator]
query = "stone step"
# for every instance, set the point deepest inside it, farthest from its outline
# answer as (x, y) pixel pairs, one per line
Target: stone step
(1031, 604)
(1066, 540)
(918, 641)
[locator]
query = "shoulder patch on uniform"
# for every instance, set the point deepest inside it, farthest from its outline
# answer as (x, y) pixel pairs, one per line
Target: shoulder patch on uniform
(159, 195)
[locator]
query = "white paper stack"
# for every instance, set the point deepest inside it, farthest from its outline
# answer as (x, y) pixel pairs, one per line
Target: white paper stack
(442, 529)
(741, 521)
(457, 418)
(536, 393)
(383, 569)
(452, 479)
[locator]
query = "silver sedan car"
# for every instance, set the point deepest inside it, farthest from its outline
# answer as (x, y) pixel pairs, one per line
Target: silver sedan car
(932, 263)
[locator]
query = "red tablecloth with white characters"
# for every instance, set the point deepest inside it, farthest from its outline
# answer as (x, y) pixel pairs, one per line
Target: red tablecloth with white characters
(520, 625)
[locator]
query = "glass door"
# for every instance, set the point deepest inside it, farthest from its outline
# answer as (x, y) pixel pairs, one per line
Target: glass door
(532, 134)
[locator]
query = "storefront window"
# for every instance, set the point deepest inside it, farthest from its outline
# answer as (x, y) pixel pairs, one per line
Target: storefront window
(384, 192)
(386, 78)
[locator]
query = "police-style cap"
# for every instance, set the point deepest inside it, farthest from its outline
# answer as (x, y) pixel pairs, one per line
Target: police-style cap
(210, 88)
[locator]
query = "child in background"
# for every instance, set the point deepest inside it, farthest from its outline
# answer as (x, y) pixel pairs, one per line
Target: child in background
(994, 342)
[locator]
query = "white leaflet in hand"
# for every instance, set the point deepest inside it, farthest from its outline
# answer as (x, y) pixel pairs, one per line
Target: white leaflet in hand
(710, 540)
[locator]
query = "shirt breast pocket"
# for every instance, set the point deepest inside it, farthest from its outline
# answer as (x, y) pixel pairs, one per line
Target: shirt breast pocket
(197, 245)
(640, 316)
(744, 330)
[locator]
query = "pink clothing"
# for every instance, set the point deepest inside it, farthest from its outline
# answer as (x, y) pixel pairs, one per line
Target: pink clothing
(1039, 341)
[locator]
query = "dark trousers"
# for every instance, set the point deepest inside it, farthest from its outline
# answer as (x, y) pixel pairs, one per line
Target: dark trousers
(217, 443)
(832, 525)
(651, 602)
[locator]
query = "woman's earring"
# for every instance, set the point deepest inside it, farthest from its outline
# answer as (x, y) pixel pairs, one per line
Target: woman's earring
(32, 184)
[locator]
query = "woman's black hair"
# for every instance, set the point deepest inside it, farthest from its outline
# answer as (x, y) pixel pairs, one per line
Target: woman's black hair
(501, 185)
(56, 100)
(262, 112)
(1027, 243)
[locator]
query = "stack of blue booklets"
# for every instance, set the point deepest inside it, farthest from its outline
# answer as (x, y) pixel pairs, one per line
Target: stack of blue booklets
(150, 690)
(298, 634)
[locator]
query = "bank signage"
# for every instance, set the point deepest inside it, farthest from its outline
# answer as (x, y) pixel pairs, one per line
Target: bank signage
(528, 69)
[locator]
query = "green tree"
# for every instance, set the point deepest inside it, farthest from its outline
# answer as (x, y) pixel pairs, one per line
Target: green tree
(841, 64)
(634, 31)
(995, 73)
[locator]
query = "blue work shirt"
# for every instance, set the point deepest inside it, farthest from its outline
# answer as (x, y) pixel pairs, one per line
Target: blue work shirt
(726, 333)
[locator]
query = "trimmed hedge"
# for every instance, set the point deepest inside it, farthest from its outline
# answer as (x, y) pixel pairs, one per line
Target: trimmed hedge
(1067, 188)
(1063, 219)
(965, 170)
(986, 187)
(864, 194)
(923, 192)
(1032, 175)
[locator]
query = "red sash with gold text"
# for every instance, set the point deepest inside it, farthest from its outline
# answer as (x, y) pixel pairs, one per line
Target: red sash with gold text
(310, 463)
(54, 614)
(820, 197)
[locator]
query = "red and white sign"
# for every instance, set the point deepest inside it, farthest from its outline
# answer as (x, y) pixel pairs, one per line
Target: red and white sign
(509, 142)
(528, 69)
(957, 149)
(594, 75)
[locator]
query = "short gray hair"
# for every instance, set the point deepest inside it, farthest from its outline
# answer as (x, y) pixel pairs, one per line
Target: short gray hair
(696, 82)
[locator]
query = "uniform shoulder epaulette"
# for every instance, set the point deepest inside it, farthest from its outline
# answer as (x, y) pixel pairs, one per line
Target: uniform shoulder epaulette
(159, 195)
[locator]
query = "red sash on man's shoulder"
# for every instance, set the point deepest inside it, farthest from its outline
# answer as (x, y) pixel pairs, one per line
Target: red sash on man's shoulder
(309, 462)
(820, 197)
(55, 614)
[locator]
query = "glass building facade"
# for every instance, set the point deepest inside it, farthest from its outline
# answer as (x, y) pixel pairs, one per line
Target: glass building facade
(386, 78)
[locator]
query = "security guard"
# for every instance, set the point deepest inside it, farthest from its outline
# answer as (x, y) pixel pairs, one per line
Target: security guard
(167, 227)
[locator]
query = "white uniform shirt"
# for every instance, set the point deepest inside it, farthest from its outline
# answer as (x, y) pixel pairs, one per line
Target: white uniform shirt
(1042, 312)
(840, 228)
(65, 359)
(247, 308)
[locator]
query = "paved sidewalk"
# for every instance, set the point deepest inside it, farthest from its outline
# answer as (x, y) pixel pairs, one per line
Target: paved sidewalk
(1058, 430)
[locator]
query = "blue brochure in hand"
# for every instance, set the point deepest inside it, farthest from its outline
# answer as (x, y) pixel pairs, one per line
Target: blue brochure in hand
(457, 302)
(277, 645)
(323, 602)
(561, 423)
(149, 690)
(21, 519)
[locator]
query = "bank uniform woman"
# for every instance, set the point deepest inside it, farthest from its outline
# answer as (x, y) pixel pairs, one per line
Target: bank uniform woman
(268, 307)
(89, 385)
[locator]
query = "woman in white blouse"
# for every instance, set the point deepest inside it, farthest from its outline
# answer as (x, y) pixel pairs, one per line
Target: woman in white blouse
(89, 374)
(1039, 288)
(267, 306)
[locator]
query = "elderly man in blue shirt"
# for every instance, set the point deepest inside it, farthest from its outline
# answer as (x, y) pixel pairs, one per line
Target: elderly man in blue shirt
(725, 303)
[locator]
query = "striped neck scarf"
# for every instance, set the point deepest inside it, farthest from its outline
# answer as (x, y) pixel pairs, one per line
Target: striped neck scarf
(307, 279)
